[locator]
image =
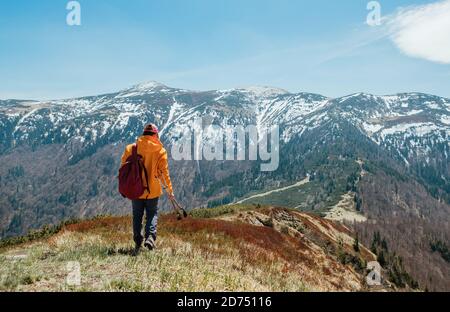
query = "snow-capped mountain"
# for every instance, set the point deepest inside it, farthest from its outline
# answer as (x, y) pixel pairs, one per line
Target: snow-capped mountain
(414, 128)
(412, 124)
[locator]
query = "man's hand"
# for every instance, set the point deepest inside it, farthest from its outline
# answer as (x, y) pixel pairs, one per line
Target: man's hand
(171, 196)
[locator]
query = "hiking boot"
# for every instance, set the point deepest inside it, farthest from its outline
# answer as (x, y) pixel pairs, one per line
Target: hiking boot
(136, 251)
(150, 243)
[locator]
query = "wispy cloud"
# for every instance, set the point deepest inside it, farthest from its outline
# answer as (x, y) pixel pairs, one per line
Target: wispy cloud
(422, 31)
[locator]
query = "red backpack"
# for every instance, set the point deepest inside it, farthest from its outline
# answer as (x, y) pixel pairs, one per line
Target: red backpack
(131, 185)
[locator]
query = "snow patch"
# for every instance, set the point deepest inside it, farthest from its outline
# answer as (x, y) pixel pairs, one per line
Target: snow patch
(262, 91)
(445, 120)
(372, 128)
(419, 129)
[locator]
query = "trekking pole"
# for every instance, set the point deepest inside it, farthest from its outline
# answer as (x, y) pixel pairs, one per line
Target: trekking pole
(180, 211)
(179, 207)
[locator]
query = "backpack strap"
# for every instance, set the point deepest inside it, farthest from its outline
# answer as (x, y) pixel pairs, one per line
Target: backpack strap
(146, 178)
(141, 163)
(134, 150)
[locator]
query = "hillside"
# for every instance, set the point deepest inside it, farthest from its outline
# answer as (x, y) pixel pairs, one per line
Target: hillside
(232, 248)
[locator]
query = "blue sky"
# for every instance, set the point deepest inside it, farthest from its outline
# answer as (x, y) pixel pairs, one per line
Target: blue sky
(317, 46)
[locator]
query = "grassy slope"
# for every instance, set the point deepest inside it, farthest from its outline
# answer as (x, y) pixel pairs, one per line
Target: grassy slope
(223, 249)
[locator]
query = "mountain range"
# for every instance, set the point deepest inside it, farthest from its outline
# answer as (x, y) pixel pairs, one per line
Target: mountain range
(379, 164)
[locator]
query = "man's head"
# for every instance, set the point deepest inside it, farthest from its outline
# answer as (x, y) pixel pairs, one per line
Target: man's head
(150, 129)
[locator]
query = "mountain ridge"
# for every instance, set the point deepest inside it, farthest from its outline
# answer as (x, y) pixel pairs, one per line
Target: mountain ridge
(152, 84)
(238, 248)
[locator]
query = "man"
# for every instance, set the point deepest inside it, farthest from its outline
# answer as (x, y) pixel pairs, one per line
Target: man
(155, 161)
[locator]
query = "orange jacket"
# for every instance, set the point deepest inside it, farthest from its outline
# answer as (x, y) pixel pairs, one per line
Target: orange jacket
(155, 161)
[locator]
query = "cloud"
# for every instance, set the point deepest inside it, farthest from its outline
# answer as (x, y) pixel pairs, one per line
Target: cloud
(423, 31)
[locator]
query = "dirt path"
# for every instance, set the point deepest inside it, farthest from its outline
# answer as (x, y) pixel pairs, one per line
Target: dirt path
(303, 182)
(345, 210)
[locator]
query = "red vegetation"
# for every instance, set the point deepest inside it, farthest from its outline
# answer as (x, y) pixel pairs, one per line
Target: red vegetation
(98, 223)
(270, 242)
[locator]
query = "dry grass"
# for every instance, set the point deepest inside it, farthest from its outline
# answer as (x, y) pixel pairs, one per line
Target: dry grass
(195, 254)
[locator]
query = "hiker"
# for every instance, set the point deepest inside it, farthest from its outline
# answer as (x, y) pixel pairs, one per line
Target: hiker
(152, 160)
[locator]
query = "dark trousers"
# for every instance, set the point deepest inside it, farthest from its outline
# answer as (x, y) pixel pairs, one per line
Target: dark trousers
(150, 206)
